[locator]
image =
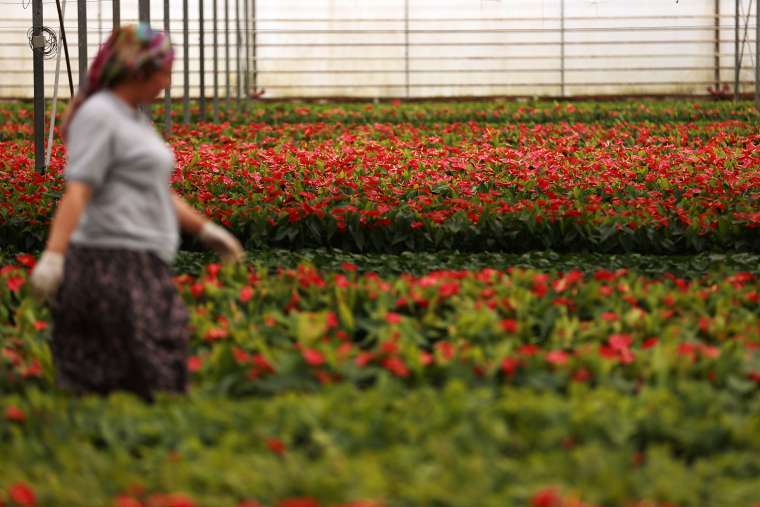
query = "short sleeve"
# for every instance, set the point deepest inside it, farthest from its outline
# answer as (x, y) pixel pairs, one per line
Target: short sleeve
(89, 146)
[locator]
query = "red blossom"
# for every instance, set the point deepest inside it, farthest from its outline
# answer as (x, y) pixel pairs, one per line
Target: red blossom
(509, 365)
(22, 495)
(14, 414)
(246, 294)
(509, 326)
(396, 366)
(127, 501)
(313, 357)
(299, 502)
(557, 357)
(276, 445)
(548, 497)
(15, 283)
(194, 364)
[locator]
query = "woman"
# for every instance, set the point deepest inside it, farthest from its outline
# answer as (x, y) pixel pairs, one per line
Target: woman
(118, 321)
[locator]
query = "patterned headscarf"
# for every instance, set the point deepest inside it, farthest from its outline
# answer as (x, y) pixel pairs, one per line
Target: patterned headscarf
(131, 51)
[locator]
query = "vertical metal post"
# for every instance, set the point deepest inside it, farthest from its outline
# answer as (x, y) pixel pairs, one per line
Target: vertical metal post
(253, 50)
(238, 40)
(185, 65)
(228, 84)
(82, 24)
(216, 63)
(116, 4)
(38, 47)
(247, 81)
(562, 48)
(62, 37)
(716, 55)
(737, 61)
(757, 55)
(406, 46)
(144, 11)
(167, 91)
(143, 14)
(202, 51)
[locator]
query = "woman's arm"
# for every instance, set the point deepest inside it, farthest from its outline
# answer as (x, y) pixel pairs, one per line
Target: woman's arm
(190, 219)
(214, 236)
(75, 198)
(47, 274)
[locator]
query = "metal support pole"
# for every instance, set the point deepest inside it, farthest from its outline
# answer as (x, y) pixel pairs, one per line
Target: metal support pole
(62, 38)
(116, 4)
(167, 90)
(143, 8)
(202, 50)
(406, 46)
(247, 83)
(562, 48)
(82, 23)
(717, 45)
(38, 47)
(216, 63)
(255, 75)
(54, 105)
(228, 84)
(238, 40)
(185, 65)
(757, 55)
(737, 61)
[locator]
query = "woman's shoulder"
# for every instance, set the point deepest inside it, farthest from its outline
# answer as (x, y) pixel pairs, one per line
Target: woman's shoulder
(96, 110)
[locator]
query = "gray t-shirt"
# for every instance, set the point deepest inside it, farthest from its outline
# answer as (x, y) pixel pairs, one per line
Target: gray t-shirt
(115, 148)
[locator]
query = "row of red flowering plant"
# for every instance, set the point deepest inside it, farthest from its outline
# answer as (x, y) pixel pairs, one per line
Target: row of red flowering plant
(16, 118)
(678, 188)
(301, 328)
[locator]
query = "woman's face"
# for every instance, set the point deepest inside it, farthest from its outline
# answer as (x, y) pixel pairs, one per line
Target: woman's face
(155, 83)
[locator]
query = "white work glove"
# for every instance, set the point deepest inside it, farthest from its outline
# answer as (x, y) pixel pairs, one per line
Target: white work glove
(47, 275)
(222, 242)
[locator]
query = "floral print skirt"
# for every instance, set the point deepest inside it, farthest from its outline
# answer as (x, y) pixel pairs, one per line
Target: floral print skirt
(119, 324)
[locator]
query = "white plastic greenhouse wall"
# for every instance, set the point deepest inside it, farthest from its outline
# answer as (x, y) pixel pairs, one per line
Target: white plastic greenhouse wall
(427, 48)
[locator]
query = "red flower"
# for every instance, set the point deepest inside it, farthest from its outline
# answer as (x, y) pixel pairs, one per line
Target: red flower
(556, 357)
(40, 325)
(213, 270)
(313, 357)
(194, 364)
(276, 445)
(14, 414)
(396, 366)
(649, 343)
(15, 283)
(509, 365)
(26, 260)
(215, 334)
(22, 495)
(392, 318)
(299, 502)
(127, 501)
(548, 497)
(446, 349)
(197, 290)
(509, 326)
(347, 266)
(582, 375)
(529, 349)
(246, 294)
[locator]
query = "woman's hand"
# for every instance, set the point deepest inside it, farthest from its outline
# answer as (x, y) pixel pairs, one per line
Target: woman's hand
(47, 275)
(213, 236)
(222, 242)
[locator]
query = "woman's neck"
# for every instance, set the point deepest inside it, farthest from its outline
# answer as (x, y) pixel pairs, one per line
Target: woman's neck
(127, 95)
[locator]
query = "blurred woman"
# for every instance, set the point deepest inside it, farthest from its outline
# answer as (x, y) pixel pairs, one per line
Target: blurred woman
(118, 321)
